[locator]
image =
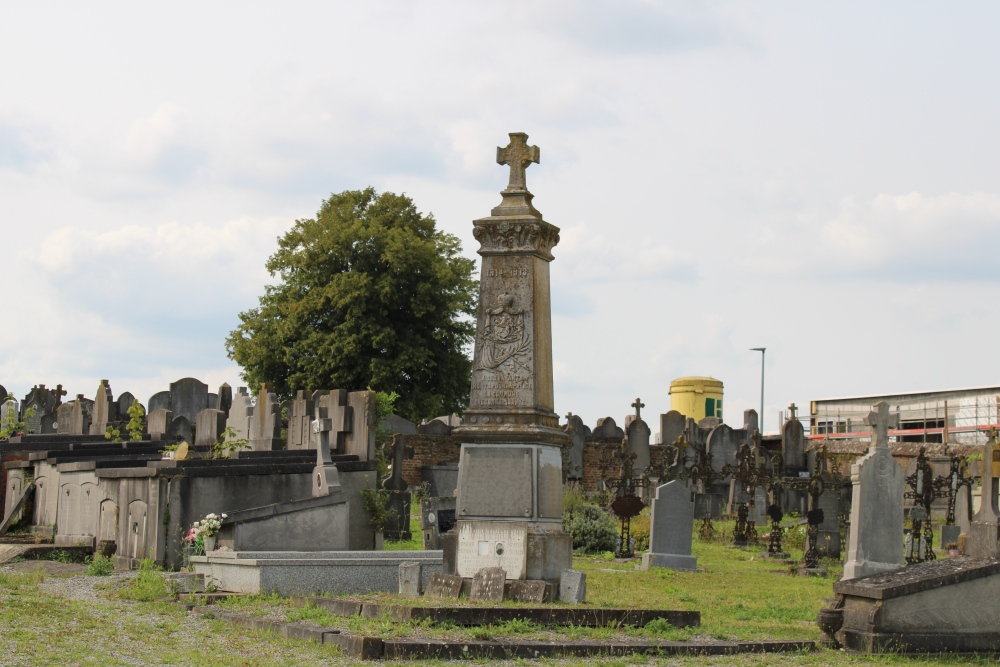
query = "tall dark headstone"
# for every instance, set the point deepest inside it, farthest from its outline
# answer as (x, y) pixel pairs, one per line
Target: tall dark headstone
(188, 397)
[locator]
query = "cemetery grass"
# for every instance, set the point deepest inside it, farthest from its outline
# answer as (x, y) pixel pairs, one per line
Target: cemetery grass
(45, 626)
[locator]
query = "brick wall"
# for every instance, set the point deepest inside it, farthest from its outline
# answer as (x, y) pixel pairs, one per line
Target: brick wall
(428, 450)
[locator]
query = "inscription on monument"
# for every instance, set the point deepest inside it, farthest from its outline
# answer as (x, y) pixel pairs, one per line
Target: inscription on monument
(484, 544)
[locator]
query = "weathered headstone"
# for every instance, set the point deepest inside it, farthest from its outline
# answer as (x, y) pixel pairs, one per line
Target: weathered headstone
(528, 591)
(409, 578)
(105, 409)
(671, 522)
(300, 419)
(572, 586)
(607, 429)
(123, 403)
(79, 416)
(159, 401)
(265, 426)
(398, 525)
(335, 405)
(638, 440)
(240, 414)
(158, 423)
(360, 441)
(396, 425)
(224, 398)
(180, 430)
(326, 477)
(793, 441)
(209, 427)
(672, 425)
(188, 397)
(985, 529)
(578, 434)
(828, 537)
(488, 585)
(444, 586)
(876, 539)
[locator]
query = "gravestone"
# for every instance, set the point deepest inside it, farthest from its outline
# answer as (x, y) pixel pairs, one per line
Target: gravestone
(572, 586)
(209, 427)
(638, 440)
(240, 414)
(326, 477)
(510, 466)
(224, 399)
(708, 506)
(437, 517)
(158, 423)
(45, 403)
(671, 521)
(159, 401)
(750, 425)
(360, 440)
(578, 434)
(396, 425)
(79, 416)
(528, 591)
(334, 404)
(488, 585)
(828, 537)
(123, 403)
(398, 525)
(985, 529)
(265, 426)
(442, 478)
(105, 409)
(300, 419)
(434, 427)
(444, 586)
(409, 578)
(793, 442)
(722, 444)
(876, 539)
(672, 425)
(188, 397)
(607, 429)
(3, 392)
(180, 430)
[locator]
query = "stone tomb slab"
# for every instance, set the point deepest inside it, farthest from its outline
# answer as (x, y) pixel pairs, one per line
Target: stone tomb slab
(492, 544)
(488, 585)
(528, 591)
(946, 605)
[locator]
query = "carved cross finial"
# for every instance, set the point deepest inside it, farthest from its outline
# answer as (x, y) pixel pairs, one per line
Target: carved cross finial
(792, 410)
(881, 421)
(638, 405)
(517, 155)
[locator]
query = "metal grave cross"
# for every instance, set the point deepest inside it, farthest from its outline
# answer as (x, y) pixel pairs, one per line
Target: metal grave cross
(518, 155)
(881, 421)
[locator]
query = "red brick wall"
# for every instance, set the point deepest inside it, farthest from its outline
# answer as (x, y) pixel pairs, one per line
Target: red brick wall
(428, 450)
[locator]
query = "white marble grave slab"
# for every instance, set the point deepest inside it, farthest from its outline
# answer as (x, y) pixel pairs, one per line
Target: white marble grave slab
(491, 544)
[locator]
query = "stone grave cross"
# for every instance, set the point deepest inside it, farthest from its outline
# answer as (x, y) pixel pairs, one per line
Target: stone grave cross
(326, 478)
(638, 405)
(881, 421)
(518, 155)
(792, 410)
(399, 453)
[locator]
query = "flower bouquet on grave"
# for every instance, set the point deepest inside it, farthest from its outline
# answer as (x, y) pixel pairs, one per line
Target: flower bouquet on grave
(202, 533)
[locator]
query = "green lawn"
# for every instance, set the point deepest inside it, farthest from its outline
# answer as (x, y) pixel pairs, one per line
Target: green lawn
(739, 595)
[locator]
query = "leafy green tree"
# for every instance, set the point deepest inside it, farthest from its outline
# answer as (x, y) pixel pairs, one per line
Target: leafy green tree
(370, 294)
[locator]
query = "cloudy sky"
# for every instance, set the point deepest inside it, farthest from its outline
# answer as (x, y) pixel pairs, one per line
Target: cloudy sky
(822, 180)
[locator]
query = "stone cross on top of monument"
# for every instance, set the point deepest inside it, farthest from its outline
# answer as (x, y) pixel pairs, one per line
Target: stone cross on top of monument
(881, 421)
(792, 410)
(638, 405)
(518, 155)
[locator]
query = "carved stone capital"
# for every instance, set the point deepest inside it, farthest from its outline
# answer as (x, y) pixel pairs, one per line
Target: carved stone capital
(516, 235)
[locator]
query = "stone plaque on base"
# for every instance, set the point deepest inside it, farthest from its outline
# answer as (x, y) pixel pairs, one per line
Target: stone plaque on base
(496, 481)
(492, 544)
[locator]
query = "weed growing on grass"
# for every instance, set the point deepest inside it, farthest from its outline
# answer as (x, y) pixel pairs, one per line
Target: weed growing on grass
(147, 586)
(660, 628)
(100, 566)
(15, 581)
(63, 556)
(317, 615)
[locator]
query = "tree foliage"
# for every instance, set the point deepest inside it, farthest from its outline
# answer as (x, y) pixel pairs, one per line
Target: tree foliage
(369, 294)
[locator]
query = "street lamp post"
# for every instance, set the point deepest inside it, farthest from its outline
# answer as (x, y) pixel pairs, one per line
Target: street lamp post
(761, 350)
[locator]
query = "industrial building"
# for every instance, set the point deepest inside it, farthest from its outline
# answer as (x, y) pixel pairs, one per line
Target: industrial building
(959, 416)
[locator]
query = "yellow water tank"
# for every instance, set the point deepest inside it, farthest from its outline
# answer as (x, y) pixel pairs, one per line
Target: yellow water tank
(697, 397)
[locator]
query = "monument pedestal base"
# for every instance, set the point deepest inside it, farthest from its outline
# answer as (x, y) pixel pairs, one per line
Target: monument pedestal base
(673, 561)
(547, 552)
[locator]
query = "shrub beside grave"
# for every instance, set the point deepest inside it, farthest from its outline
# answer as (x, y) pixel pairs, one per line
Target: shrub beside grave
(592, 528)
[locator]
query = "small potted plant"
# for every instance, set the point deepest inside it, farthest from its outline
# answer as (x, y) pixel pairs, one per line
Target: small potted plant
(206, 531)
